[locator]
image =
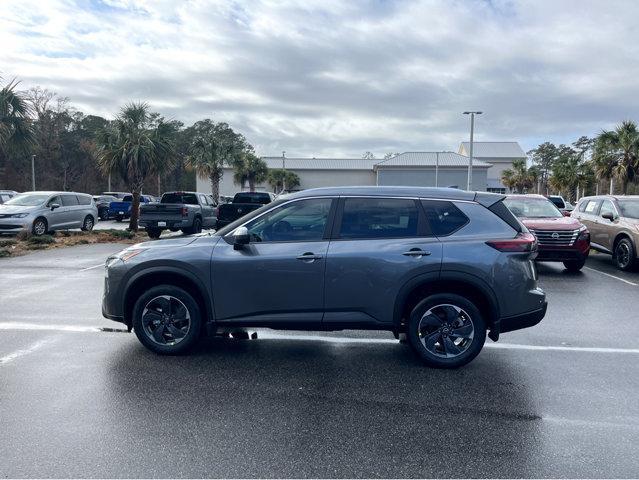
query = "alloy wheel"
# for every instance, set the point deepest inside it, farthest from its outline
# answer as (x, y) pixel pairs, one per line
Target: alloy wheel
(446, 330)
(166, 320)
(623, 255)
(39, 228)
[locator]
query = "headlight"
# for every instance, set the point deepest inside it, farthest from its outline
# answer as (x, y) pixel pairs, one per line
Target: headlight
(19, 215)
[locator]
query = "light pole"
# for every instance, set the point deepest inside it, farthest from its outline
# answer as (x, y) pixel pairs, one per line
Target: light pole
(33, 173)
(436, 169)
(284, 169)
(470, 159)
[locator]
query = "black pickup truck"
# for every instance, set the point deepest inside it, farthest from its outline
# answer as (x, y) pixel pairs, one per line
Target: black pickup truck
(243, 203)
(186, 211)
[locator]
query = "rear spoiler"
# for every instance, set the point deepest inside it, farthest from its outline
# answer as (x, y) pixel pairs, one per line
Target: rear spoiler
(488, 199)
(494, 203)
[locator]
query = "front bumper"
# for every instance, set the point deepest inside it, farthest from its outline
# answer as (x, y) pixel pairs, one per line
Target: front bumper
(524, 320)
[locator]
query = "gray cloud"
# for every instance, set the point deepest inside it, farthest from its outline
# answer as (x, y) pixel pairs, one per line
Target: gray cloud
(338, 78)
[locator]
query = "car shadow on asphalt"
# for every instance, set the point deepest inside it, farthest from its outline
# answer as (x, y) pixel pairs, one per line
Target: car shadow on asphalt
(362, 409)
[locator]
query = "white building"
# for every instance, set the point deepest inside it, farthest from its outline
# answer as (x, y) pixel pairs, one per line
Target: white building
(499, 154)
(426, 169)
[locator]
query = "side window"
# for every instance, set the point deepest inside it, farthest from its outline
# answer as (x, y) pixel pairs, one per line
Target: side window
(189, 199)
(606, 207)
(53, 200)
(582, 206)
(379, 218)
(302, 221)
(591, 207)
(69, 200)
(203, 200)
(443, 218)
(84, 200)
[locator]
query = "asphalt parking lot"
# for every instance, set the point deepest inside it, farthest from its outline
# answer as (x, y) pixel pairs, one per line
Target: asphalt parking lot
(557, 400)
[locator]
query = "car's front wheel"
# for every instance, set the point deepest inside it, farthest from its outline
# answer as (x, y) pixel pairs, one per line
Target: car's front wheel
(574, 265)
(446, 331)
(624, 255)
(39, 226)
(167, 320)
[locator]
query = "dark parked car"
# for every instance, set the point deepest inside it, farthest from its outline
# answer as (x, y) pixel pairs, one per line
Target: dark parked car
(103, 202)
(444, 267)
(243, 203)
(186, 211)
(561, 239)
(118, 195)
(121, 210)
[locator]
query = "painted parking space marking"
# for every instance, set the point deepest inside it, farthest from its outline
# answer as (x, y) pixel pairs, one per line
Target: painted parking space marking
(24, 351)
(319, 338)
(613, 276)
(91, 268)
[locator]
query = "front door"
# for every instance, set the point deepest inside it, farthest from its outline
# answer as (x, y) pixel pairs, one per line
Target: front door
(278, 278)
(604, 234)
(56, 217)
(379, 245)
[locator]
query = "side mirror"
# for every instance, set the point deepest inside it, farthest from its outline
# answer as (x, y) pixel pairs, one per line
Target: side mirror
(241, 237)
(608, 216)
(54, 206)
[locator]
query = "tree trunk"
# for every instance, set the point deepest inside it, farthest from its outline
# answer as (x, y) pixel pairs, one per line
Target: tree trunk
(624, 187)
(215, 187)
(135, 207)
(251, 182)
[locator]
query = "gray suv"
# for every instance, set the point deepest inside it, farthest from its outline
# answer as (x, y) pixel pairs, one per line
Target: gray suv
(444, 267)
(42, 212)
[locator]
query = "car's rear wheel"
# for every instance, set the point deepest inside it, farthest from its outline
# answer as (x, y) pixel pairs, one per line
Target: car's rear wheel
(104, 215)
(167, 320)
(88, 223)
(624, 255)
(574, 265)
(154, 232)
(118, 218)
(39, 226)
(446, 331)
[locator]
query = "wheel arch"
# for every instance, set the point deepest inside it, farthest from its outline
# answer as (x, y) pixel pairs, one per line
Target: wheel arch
(620, 236)
(146, 279)
(468, 286)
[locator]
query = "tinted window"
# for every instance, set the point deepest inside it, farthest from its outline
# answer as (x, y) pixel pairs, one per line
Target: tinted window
(379, 218)
(302, 221)
(629, 208)
(69, 200)
(252, 197)
(185, 198)
(127, 198)
(443, 218)
(606, 207)
(559, 203)
(84, 200)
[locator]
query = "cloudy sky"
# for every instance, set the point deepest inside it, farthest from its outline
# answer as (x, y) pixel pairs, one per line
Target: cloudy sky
(339, 77)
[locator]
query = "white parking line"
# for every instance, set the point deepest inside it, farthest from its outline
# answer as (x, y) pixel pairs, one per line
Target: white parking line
(91, 268)
(613, 276)
(26, 351)
(319, 338)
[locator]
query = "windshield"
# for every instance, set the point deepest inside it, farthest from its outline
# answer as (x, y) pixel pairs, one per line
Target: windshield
(629, 208)
(185, 198)
(28, 200)
(532, 208)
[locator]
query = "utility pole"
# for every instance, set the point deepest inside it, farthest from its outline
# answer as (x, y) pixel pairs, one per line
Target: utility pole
(436, 169)
(470, 159)
(109, 183)
(284, 169)
(612, 186)
(33, 172)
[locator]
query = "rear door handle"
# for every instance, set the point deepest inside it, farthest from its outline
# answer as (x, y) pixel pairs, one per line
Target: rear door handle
(416, 252)
(309, 257)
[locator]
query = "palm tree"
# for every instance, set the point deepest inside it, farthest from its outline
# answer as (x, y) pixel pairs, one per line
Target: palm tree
(135, 146)
(251, 170)
(279, 178)
(16, 131)
(519, 178)
(616, 154)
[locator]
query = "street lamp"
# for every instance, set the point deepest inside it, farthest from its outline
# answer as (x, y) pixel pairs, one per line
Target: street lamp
(33, 173)
(284, 169)
(470, 160)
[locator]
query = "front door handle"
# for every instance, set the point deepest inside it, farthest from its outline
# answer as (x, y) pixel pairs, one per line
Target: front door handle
(309, 257)
(416, 252)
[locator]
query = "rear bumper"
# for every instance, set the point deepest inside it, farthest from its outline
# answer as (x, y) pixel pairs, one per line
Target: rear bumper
(167, 223)
(525, 320)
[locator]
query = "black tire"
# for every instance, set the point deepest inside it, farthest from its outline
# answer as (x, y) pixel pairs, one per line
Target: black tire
(118, 218)
(624, 255)
(197, 225)
(103, 215)
(88, 223)
(40, 226)
(444, 330)
(574, 265)
(146, 335)
(154, 233)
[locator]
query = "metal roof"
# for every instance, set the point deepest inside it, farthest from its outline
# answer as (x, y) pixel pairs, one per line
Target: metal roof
(294, 163)
(493, 150)
(429, 159)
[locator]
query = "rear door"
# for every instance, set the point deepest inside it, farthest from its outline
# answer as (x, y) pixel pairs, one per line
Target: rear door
(378, 245)
(70, 210)
(208, 213)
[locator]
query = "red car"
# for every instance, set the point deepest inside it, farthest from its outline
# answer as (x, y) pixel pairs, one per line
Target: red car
(561, 239)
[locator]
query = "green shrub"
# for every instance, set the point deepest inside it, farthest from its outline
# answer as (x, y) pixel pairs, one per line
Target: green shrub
(4, 253)
(36, 246)
(7, 243)
(82, 241)
(41, 240)
(121, 234)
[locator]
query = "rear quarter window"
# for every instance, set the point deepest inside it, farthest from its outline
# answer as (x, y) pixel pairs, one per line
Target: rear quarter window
(444, 218)
(481, 223)
(84, 200)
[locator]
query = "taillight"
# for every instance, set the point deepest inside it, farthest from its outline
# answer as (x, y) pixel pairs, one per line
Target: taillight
(185, 212)
(523, 242)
